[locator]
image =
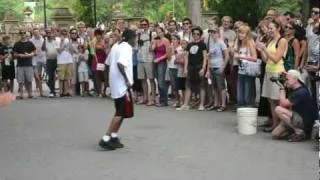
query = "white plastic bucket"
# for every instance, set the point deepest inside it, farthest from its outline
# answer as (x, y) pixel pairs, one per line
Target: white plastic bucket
(247, 120)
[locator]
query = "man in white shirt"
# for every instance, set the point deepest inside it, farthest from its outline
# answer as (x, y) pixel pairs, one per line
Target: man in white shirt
(65, 64)
(38, 60)
(50, 47)
(120, 79)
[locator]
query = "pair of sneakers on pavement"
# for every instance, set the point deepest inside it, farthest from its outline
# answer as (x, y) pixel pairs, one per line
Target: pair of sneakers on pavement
(110, 143)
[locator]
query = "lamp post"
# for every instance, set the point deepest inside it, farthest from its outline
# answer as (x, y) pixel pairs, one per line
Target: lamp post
(45, 13)
(95, 12)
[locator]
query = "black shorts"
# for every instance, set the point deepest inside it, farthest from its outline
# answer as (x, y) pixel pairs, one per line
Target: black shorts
(8, 72)
(124, 106)
(181, 83)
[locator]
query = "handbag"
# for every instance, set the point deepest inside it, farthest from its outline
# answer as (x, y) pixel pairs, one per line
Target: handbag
(128, 113)
(100, 66)
(251, 68)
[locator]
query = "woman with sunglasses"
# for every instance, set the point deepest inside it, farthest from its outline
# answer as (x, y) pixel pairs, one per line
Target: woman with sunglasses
(291, 60)
(218, 59)
(195, 68)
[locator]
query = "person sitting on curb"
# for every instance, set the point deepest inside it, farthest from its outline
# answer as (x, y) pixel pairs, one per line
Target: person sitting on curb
(297, 113)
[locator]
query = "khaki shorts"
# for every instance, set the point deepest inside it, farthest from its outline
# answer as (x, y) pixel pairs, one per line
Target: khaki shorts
(24, 74)
(145, 70)
(65, 71)
(297, 120)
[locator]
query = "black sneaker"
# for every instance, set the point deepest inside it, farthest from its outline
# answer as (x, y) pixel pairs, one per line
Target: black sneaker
(115, 142)
(106, 145)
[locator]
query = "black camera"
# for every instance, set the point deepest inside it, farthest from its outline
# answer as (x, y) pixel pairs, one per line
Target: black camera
(281, 79)
(140, 42)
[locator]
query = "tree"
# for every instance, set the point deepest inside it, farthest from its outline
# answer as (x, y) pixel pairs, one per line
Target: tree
(16, 6)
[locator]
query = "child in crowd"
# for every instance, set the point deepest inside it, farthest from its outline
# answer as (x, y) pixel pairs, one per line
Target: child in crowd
(83, 70)
(181, 78)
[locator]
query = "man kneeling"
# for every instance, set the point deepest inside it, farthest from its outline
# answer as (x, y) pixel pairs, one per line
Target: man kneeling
(297, 113)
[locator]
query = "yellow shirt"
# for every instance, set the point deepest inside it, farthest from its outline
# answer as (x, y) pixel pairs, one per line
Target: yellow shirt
(271, 66)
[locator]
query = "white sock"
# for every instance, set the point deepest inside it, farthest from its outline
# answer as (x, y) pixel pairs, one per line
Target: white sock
(114, 135)
(105, 138)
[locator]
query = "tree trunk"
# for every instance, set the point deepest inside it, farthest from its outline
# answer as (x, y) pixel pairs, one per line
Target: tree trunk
(194, 11)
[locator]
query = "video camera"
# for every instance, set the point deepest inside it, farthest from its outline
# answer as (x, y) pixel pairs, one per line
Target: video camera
(281, 79)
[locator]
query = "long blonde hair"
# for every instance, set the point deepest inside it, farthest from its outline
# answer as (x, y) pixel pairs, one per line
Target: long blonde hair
(247, 40)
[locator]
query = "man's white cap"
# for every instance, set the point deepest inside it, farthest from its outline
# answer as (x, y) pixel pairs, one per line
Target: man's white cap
(296, 74)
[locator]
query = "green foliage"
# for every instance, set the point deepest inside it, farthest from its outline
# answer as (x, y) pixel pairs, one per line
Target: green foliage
(252, 11)
(15, 6)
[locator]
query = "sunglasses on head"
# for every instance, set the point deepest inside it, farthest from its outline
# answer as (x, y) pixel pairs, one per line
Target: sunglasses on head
(315, 12)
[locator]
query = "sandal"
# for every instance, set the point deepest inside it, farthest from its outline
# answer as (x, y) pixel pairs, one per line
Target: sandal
(19, 97)
(221, 109)
(142, 102)
(151, 103)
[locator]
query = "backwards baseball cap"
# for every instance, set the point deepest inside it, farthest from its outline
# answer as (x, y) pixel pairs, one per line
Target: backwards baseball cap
(296, 74)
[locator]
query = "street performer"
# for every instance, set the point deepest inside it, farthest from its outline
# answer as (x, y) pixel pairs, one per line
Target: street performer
(121, 80)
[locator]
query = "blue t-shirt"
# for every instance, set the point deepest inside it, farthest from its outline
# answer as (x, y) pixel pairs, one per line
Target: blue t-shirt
(304, 106)
(216, 53)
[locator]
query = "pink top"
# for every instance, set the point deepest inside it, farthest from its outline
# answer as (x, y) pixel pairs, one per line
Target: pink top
(160, 51)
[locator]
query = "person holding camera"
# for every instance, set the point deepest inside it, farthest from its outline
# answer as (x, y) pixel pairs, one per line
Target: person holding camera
(297, 113)
(145, 63)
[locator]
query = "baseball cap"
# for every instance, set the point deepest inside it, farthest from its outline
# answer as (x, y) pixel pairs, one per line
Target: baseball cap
(296, 74)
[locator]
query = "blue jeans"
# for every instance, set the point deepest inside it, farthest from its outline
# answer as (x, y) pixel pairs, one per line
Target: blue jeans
(161, 69)
(244, 89)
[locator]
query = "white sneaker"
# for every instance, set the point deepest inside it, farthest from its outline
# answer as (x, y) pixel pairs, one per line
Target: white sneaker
(201, 108)
(51, 95)
(184, 108)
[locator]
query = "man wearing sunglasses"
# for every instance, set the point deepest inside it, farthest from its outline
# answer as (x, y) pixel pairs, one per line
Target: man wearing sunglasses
(185, 34)
(312, 65)
(23, 51)
(145, 62)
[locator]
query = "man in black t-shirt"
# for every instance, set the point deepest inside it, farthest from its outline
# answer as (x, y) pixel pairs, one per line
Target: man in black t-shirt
(297, 113)
(195, 68)
(24, 50)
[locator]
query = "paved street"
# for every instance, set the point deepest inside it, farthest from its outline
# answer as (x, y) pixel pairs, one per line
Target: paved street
(56, 139)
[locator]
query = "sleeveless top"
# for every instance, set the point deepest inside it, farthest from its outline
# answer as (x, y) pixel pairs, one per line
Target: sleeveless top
(243, 52)
(272, 67)
(160, 51)
(290, 57)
